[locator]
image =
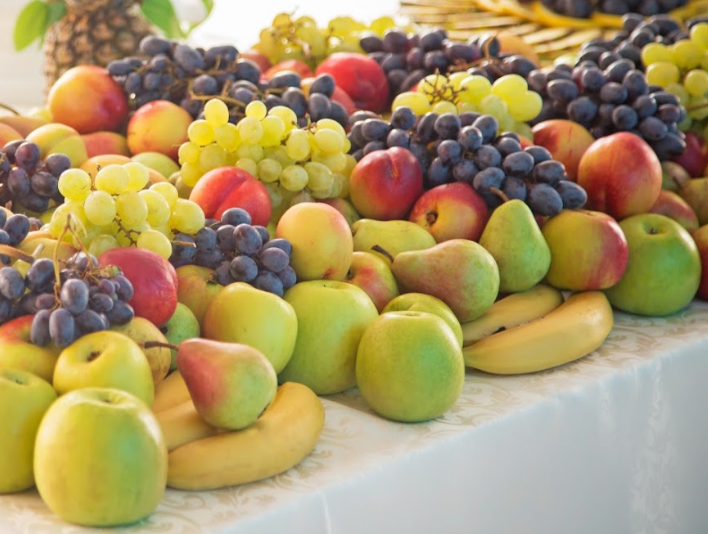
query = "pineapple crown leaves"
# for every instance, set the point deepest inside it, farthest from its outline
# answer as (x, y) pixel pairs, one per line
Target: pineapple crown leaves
(38, 15)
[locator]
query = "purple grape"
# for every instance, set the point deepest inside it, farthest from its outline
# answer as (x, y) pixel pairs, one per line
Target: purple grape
(12, 283)
(39, 331)
(62, 328)
(27, 156)
(269, 282)
(243, 269)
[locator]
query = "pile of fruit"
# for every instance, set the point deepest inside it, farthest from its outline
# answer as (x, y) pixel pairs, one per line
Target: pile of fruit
(196, 244)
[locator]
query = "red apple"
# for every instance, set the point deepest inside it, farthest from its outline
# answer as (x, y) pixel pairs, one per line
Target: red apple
(361, 77)
(451, 211)
(231, 187)
(196, 289)
(259, 58)
(154, 281)
(339, 94)
(89, 100)
(18, 351)
(294, 65)
(673, 206)
(385, 184)
(588, 250)
(102, 143)
(566, 140)
(373, 274)
(695, 157)
(700, 236)
(621, 175)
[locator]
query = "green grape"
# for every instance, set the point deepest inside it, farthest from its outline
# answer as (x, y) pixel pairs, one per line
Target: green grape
(256, 110)
(281, 21)
(336, 162)
(286, 115)
(201, 133)
(216, 112)
(131, 208)
(273, 131)
(156, 242)
(248, 165)
(662, 73)
(158, 209)
(316, 41)
(509, 87)
(188, 153)
(138, 176)
(699, 36)
(697, 107)
(351, 163)
(381, 24)
(294, 178)
(112, 179)
(444, 107)
(100, 208)
(435, 87)
(298, 145)
(455, 79)
(212, 157)
(474, 88)
(330, 124)
(279, 153)
(319, 179)
(70, 208)
(525, 107)
(101, 243)
(269, 170)
(655, 53)
(250, 151)
(168, 192)
(523, 129)
(329, 141)
(75, 184)
(275, 194)
(187, 217)
(190, 174)
(464, 107)
(227, 137)
(493, 105)
(337, 184)
(687, 55)
(678, 90)
(696, 82)
(418, 102)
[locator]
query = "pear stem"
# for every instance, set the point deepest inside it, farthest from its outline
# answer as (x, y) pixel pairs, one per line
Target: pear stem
(15, 253)
(154, 344)
(499, 193)
(8, 108)
(383, 251)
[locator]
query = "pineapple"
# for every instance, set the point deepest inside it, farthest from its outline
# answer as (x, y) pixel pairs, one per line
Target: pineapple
(92, 32)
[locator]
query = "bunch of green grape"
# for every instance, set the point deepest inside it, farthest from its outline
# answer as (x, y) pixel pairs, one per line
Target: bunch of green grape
(508, 99)
(681, 68)
(116, 208)
(311, 161)
(300, 38)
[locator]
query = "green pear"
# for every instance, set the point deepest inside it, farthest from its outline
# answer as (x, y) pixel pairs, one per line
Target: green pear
(231, 384)
(459, 272)
(513, 238)
(393, 237)
(695, 193)
(182, 325)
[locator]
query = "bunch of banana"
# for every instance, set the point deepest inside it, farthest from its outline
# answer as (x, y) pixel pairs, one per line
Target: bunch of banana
(536, 330)
(202, 457)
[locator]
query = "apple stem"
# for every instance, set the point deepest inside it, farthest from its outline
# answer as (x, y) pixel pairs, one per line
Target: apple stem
(499, 193)
(383, 251)
(15, 253)
(154, 344)
(8, 108)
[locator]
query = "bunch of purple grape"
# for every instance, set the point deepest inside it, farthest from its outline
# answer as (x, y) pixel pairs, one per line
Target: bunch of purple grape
(89, 299)
(13, 230)
(28, 181)
(238, 252)
(469, 148)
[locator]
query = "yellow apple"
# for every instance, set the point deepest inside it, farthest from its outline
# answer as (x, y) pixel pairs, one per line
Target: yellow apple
(18, 351)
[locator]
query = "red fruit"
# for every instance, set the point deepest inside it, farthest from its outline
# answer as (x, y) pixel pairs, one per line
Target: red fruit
(361, 77)
(231, 187)
(154, 281)
(695, 158)
(294, 65)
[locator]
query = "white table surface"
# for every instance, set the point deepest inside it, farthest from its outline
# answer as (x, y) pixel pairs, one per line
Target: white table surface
(614, 443)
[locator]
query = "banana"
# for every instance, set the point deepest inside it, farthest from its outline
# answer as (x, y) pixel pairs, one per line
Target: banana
(283, 436)
(172, 391)
(574, 329)
(182, 423)
(512, 311)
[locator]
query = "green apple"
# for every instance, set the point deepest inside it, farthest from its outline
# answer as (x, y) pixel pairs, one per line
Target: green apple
(24, 398)
(231, 384)
(426, 303)
(100, 458)
(664, 267)
(105, 359)
(196, 289)
(331, 318)
(182, 325)
(141, 330)
(409, 366)
(18, 351)
(240, 313)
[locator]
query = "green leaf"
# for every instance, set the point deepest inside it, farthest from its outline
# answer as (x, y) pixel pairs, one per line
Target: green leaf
(208, 6)
(55, 12)
(31, 24)
(161, 13)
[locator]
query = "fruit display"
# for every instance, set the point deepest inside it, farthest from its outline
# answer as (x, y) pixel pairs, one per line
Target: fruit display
(197, 244)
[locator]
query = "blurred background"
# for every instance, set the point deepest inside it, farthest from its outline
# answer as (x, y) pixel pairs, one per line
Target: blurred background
(229, 23)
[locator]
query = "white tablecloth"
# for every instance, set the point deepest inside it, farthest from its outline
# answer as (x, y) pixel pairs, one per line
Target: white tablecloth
(615, 443)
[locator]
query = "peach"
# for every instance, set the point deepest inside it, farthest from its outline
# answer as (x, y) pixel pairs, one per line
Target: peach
(673, 206)
(361, 77)
(231, 187)
(56, 138)
(22, 124)
(385, 184)
(100, 143)
(621, 175)
(321, 240)
(294, 65)
(89, 100)
(451, 211)
(7, 134)
(566, 140)
(158, 126)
